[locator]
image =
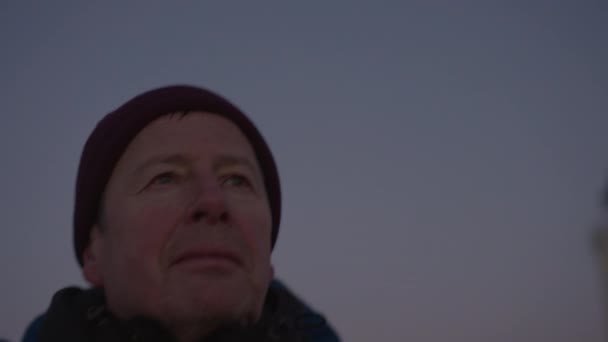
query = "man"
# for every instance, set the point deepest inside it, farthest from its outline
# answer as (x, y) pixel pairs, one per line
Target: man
(177, 210)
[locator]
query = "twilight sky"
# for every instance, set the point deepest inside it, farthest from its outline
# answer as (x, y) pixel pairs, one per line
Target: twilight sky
(441, 161)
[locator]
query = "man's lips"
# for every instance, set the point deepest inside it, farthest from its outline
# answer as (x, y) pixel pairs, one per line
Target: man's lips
(208, 255)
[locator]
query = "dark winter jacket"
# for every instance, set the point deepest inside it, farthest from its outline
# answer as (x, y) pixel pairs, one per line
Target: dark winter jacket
(77, 315)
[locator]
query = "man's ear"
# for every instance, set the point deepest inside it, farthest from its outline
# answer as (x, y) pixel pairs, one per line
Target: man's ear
(91, 258)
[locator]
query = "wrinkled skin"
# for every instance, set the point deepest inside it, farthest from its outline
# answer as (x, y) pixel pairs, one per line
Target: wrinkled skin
(185, 228)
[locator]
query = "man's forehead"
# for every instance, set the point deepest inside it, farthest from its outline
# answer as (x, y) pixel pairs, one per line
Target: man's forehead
(186, 138)
(217, 161)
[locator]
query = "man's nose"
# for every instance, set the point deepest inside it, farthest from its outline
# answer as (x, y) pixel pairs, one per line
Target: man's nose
(210, 204)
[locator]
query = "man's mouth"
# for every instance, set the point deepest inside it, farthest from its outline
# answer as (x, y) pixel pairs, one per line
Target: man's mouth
(208, 258)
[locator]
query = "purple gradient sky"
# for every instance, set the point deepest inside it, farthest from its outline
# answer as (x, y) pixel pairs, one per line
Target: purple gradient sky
(441, 163)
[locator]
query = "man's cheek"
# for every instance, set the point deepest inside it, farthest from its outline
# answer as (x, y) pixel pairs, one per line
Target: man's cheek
(154, 231)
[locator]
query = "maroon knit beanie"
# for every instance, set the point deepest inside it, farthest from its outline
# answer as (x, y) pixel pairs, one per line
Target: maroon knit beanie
(114, 132)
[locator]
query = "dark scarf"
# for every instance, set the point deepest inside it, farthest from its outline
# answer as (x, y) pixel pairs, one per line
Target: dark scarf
(77, 315)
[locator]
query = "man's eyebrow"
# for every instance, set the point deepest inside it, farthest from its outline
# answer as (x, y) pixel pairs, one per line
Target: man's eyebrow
(221, 161)
(161, 159)
(231, 160)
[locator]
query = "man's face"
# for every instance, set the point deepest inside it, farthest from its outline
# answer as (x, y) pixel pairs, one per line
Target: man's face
(185, 227)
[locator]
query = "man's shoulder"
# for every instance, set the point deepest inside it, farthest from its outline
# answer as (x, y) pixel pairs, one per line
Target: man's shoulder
(65, 317)
(292, 312)
(31, 331)
(72, 309)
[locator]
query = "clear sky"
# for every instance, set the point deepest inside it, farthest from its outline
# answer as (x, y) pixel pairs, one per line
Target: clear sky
(441, 161)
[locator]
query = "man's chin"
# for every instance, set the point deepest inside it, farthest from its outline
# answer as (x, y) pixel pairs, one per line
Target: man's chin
(215, 299)
(214, 283)
(206, 275)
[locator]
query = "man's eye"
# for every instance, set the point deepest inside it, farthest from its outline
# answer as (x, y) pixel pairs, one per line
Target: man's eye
(236, 181)
(164, 178)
